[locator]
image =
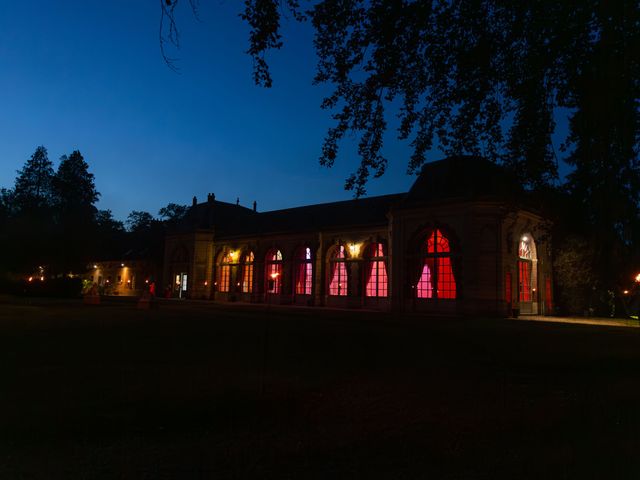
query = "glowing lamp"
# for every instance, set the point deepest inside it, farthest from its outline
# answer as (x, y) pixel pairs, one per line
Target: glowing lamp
(525, 238)
(122, 264)
(31, 279)
(626, 292)
(638, 278)
(95, 266)
(206, 283)
(146, 281)
(42, 279)
(354, 249)
(274, 275)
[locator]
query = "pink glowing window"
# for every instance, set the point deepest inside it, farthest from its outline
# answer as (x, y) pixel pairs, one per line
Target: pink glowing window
(425, 285)
(273, 271)
(247, 273)
(304, 272)
(338, 273)
(437, 279)
(377, 280)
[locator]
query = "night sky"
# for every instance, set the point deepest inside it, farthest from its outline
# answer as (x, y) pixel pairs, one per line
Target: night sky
(89, 76)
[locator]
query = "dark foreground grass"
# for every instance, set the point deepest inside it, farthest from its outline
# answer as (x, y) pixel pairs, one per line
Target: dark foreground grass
(203, 391)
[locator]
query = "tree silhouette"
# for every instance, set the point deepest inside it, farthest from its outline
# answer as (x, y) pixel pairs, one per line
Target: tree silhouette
(74, 187)
(74, 201)
(173, 213)
(482, 77)
(34, 184)
(139, 220)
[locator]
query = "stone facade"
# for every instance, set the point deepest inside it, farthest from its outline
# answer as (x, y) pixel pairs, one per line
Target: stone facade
(472, 205)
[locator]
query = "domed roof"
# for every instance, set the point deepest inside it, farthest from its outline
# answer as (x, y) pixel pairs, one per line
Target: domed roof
(464, 178)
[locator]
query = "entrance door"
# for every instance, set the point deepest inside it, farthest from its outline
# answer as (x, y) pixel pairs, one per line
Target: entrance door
(524, 286)
(181, 284)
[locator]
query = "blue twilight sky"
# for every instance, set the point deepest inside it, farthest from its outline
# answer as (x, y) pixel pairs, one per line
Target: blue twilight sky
(88, 75)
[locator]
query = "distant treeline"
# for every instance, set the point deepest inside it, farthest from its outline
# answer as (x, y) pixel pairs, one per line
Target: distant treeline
(49, 219)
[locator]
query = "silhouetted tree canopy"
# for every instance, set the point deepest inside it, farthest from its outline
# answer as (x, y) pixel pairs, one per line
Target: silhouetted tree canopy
(74, 187)
(173, 213)
(139, 220)
(482, 77)
(74, 198)
(106, 222)
(34, 184)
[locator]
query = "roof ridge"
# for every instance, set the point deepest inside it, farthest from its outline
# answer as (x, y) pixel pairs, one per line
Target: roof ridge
(353, 200)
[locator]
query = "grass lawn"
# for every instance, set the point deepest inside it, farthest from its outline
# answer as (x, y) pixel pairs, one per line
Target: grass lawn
(206, 391)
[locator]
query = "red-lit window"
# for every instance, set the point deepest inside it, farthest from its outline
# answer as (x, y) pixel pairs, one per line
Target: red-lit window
(524, 276)
(437, 279)
(377, 280)
(548, 295)
(507, 288)
(247, 273)
(338, 273)
(524, 250)
(304, 272)
(274, 271)
(225, 273)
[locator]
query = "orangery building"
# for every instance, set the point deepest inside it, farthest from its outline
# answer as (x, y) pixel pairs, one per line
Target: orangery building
(461, 241)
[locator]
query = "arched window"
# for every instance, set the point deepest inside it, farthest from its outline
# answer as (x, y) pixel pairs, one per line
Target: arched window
(524, 251)
(524, 269)
(376, 272)
(247, 273)
(225, 272)
(304, 271)
(338, 273)
(436, 278)
(274, 271)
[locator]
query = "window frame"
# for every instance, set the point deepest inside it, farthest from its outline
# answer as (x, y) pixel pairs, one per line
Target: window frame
(224, 277)
(303, 275)
(273, 271)
(438, 258)
(248, 270)
(338, 265)
(375, 260)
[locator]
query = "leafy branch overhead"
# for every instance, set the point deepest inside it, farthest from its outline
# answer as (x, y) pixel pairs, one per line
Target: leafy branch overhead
(481, 77)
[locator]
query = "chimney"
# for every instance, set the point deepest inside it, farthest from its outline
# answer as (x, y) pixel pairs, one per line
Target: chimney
(255, 206)
(238, 201)
(195, 201)
(210, 198)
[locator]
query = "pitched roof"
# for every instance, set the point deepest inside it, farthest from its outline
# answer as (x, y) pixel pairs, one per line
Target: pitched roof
(454, 178)
(368, 211)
